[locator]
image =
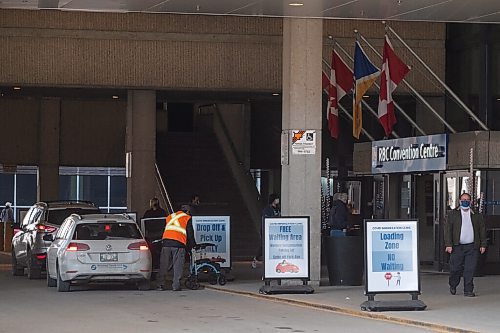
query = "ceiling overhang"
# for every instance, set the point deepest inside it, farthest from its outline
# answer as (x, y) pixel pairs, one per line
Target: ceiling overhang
(480, 11)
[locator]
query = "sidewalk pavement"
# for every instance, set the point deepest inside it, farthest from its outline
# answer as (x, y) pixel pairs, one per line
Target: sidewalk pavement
(444, 313)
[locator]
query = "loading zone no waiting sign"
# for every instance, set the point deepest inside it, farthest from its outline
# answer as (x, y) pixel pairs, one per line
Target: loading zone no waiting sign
(303, 142)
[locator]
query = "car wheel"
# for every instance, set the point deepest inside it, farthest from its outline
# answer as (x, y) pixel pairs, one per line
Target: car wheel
(34, 270)
(61, 285)
(221, 279)
(144, 285)
(16, 269)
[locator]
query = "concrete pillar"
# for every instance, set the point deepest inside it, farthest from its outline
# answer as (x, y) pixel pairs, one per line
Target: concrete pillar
(301, 178)
(141, 149)
(48, 166)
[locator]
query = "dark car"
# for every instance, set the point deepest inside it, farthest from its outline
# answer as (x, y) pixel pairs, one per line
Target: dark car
(29, 249)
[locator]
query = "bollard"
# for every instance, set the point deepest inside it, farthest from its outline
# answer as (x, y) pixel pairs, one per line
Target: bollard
(1, 235)
(8, 233)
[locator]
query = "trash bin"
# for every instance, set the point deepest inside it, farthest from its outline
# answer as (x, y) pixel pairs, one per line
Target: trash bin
(345, 260)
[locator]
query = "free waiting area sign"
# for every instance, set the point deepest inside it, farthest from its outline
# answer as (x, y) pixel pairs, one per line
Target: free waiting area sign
(391, 256)
(215, 230)
(286, 247)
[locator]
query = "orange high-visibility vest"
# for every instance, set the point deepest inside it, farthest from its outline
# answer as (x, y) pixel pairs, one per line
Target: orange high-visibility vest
(175, 227)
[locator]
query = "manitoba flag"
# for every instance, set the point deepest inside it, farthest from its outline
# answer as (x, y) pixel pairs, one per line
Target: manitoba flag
(341, 82)
(393, 72)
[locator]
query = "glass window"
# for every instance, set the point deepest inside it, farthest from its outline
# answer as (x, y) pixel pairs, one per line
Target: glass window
(95, 189)
(6, 188)
(68, 187)
(57, 216)
(25, 189)
(102, 231)
(118, 191)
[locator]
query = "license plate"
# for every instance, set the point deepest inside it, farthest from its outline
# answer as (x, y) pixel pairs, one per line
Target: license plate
(107, 257)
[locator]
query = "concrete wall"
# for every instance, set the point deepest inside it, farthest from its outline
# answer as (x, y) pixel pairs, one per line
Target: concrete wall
(64, 48)
(92, 132)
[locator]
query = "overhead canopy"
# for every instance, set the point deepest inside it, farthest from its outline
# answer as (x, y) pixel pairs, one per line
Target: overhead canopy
(481, 11)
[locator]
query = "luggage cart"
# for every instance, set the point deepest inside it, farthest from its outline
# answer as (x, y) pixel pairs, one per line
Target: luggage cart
(199, 263)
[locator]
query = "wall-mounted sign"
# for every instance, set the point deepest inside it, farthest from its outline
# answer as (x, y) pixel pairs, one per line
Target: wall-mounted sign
(215, 230)
(303, 142)
(286, 247)
(421, 153)
(391, 256)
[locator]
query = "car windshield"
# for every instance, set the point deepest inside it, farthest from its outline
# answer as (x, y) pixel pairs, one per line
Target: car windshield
(57, 216)
(102, 231)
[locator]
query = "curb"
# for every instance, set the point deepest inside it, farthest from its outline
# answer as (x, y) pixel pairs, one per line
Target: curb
(345, 311)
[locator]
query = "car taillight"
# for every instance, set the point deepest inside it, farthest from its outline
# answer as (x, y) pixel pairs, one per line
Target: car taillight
(45, 228)
(41, 256)
(141, 246)
(73, 246)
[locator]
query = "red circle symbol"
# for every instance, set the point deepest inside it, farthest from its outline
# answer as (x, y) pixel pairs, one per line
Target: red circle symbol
(388, 276)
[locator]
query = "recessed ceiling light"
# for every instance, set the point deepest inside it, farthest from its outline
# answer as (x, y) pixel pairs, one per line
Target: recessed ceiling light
(17, 88)
(115, 97)
(295, 4)
(366, 96)
(276, 94)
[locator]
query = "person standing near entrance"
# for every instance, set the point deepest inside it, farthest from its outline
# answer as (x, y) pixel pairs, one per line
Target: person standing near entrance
(271, 210)
(154, 209)
(464, 239)
(178, 236)
(7, 214)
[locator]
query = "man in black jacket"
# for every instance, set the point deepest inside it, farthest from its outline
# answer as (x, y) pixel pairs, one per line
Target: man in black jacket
(338, 217)
(464, 239)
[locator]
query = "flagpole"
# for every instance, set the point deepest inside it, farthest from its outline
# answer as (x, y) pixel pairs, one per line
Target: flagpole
(420, 97)
(363, 101)
(448, 89)
(333, 42)
(395, 104)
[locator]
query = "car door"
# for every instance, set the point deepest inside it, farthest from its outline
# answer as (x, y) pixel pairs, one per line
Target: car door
(58, 244)
(19, 240)
(31, 230)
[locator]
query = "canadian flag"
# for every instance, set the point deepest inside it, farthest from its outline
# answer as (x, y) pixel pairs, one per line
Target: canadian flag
(393, 72)
(341, 82)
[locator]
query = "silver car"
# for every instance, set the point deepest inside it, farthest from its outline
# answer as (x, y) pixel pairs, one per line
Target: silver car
(28, 246)
(98, 248)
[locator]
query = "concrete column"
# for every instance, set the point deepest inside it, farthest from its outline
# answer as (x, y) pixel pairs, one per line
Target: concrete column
(48, 166)
(301, 178)
(141, 149)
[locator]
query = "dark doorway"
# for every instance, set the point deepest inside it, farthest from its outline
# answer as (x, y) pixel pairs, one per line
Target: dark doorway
(180, 117)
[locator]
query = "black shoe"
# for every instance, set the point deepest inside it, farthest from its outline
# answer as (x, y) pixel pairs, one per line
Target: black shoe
(161, 287)
(453, 290)
(469, 294)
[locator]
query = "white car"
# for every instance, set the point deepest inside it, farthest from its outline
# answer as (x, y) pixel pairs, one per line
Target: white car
(98, 248)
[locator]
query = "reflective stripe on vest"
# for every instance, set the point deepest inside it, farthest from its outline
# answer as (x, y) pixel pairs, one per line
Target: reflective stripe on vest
(175, 227)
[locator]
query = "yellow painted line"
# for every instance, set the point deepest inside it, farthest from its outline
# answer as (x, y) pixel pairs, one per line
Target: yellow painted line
(346, 311)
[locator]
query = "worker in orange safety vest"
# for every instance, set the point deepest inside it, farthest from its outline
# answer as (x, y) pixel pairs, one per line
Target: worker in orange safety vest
(177, 237)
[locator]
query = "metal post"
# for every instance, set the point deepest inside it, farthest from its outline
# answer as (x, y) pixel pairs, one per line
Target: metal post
(448, 89)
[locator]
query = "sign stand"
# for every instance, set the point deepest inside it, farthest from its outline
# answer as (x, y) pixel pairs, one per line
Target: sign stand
(409, 305)
(286, 255)
(391, 260)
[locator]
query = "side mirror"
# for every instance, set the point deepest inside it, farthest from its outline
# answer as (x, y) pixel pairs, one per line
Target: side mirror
(48, 237)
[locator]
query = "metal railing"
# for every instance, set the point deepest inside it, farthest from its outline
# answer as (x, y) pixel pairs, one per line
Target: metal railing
(167, 202)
